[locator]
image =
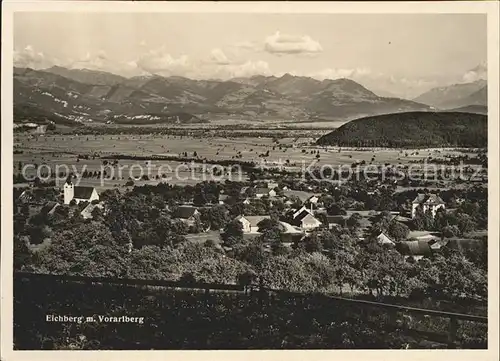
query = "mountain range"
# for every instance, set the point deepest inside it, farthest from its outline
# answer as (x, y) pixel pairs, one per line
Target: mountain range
(80, 95)
(456, 95)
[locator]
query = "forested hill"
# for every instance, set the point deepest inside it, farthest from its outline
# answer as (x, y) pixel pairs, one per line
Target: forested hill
(412, 129)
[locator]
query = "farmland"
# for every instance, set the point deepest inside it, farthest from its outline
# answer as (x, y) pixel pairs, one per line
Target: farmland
(296, 149)
(86, 152)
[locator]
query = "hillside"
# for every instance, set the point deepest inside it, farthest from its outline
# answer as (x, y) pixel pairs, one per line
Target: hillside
(86, 76)
(456, 95)
(44, 95)
(413, 129)
(82, 95)
(477, 109)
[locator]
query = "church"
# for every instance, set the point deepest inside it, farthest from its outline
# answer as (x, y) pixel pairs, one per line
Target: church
(79, 193)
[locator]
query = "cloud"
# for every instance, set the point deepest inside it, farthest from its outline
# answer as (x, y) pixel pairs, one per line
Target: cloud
(217, 56)
(158, 61)
(99, 61)
(30, 58)
(380, 83)
(480, 72)
(290, 44)
(247, 45)
(248, 69)
(332, 73)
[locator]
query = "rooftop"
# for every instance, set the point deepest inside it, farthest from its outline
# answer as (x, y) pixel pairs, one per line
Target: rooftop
(428, 199)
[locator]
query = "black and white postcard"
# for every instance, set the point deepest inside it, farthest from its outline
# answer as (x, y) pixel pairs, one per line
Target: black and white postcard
(315, 180)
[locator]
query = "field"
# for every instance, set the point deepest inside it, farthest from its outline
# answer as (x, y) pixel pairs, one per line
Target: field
(294, 153)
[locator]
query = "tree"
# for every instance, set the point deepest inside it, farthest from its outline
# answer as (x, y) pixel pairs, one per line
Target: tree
(233, 233)
(423, 220)
(312, 243)
(354, 222)
(335, 210)
(270, 229)
(459, 277)
(88, 249)
(247, 278)
(465, 223)
(398, 231)
(200, 199)
(343, 252)
(22, 254)
(215, 217)
(450, 231)
(279, 249)
(253, 254)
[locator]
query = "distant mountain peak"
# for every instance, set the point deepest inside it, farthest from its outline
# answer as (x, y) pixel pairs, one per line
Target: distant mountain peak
(287, 76)
(456, 95)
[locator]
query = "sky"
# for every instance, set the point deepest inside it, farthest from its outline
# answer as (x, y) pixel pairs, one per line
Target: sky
(392, 54)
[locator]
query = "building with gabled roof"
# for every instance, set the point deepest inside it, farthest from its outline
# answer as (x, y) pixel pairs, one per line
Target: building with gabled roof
(300, 210)
(306, 220)
(79, 193)
(187, 214)
(384, 239)
(250, 223)
(419, 248)
(430, 202)
(87, 211)
(262, 192)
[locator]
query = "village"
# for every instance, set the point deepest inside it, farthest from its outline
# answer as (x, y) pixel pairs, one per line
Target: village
(419, 224)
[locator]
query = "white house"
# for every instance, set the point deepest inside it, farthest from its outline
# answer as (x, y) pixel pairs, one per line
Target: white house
(269, 183)
(261, 192)
(305, 220)
(384, 239)
(312, 199)
(79, 194)
(250, 223)
(428, 202)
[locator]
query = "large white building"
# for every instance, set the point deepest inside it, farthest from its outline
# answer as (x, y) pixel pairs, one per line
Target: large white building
(430, 202)
(79, 194)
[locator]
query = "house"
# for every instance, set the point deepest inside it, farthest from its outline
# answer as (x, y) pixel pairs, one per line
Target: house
(384, 239)
(223, 198)
(87, 211)
(49, 208)
(250, 223)
(262, 192)
(291, 233)
(300, 210)
(430, 202)
(419, 248)
(187, 214)
(306, 220)
(26, 196)
(269, 183)
(312, 200)
(78, 193)
(334, 221)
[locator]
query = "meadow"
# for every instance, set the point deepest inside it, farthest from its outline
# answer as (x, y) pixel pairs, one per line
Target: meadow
(294, 153)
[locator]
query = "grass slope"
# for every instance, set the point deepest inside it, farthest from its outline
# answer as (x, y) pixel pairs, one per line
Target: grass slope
(413, 129)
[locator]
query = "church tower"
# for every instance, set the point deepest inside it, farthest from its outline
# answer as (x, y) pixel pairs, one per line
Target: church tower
(69, 191)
